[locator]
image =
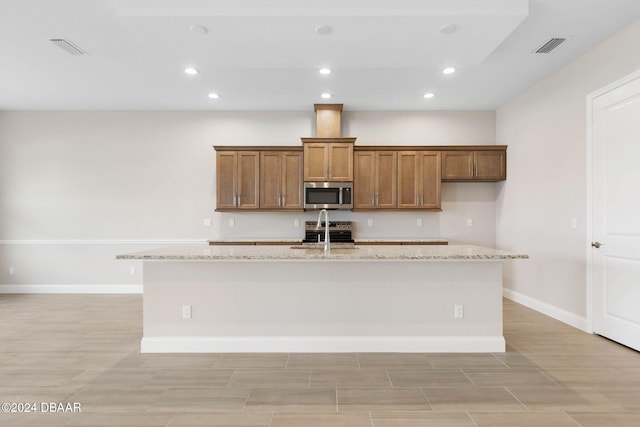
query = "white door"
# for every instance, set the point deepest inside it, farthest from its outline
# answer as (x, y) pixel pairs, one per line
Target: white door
(615, 274)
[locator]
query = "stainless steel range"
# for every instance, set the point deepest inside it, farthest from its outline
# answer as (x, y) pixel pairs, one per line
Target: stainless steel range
(339, 232)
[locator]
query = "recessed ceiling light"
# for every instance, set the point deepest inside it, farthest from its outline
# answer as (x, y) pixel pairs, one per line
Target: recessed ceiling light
(448, 70)
(199, 30)
(323, 30)
(191, 71)
(429, 95)
(325, 95)
(324, 71)
(214, 95)
(448, 29)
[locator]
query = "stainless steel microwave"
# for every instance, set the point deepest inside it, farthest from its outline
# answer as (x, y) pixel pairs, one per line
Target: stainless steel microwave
(328, 195)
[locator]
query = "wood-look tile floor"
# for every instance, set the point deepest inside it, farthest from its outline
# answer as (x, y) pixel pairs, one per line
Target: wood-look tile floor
(85, 349)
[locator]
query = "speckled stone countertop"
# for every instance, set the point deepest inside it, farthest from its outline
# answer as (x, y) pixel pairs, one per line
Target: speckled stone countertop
(267, 241)
(357, 253)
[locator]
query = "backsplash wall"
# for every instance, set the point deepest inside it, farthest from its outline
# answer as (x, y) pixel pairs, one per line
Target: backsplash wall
(79, 187)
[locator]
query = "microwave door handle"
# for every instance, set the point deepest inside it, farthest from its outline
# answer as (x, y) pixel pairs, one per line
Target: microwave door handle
(340, 195)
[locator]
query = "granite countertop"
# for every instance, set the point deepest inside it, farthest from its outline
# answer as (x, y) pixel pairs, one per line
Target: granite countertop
(357, 253)
(388, 241)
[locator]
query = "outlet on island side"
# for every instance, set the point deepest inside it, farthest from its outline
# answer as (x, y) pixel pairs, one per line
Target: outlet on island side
(186, 312)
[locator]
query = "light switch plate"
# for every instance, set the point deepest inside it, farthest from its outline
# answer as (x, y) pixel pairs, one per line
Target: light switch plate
(232, 222)
(469, 222)
(206, 222)
(458, 311)
(370, 222)
(419, 222)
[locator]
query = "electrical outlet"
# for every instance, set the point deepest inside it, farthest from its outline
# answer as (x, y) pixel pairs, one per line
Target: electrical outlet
(186, 312)
(232, 222)
(370, 222)
(206, 222)
(419, 222)
(574, 223)
(469, 222)
(296, 222)
(12, 271)
(458, 311)
(132, 271)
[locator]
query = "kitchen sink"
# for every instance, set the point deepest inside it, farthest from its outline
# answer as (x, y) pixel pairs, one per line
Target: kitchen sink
(320, 246)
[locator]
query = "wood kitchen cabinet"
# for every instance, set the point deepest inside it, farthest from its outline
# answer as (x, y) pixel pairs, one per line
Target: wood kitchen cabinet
(281, 180)
(237, 180)
(478, 165)
(375, 177)
(419, 180)
(328, 160)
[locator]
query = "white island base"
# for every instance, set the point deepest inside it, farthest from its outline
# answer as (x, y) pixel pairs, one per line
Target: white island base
(322, 305)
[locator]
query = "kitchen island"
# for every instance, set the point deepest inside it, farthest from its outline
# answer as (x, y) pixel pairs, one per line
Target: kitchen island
(388, 298)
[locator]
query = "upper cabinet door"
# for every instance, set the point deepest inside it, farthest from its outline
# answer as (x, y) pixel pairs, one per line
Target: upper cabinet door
(375, 179)
(364, 180)
(280, 180)
(291, 182)
(480, 165)
(408, 179)
(226, 177)
(430, 180)
(340, 161)
(270, 179)
(316, 161)
(248, 187)
(419, 180)
(237, 180)
(457, 165)
(386, 179)
(328, 161)
(490, 165)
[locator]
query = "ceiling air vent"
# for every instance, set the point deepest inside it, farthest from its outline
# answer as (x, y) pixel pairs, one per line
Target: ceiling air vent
(68, 47)
(549, 45)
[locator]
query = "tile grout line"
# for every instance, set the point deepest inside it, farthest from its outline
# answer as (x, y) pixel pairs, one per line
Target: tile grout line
(501, 361)
(548, 377)
(471, 418)
(516, 397)
(467, 377)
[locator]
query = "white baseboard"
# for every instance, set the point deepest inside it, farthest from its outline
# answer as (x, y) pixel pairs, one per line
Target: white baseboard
(548, 309)
(446, 344)
(70, 289)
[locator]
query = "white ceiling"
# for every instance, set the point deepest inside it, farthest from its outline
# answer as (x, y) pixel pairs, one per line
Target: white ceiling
(265, 54)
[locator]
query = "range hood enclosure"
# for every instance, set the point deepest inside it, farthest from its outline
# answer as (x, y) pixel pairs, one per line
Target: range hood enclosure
(328, 120)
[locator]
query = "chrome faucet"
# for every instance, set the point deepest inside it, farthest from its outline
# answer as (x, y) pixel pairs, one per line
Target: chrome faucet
(326, 227)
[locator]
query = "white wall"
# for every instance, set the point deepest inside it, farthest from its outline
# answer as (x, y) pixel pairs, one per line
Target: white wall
(77, 188)
(545, 128)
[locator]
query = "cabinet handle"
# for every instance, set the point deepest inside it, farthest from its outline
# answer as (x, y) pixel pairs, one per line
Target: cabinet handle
(235, 200)
(373, 200)
(239, 200)
(377, 200)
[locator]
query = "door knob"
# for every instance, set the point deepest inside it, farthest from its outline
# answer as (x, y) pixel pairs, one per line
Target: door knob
(596, 244)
